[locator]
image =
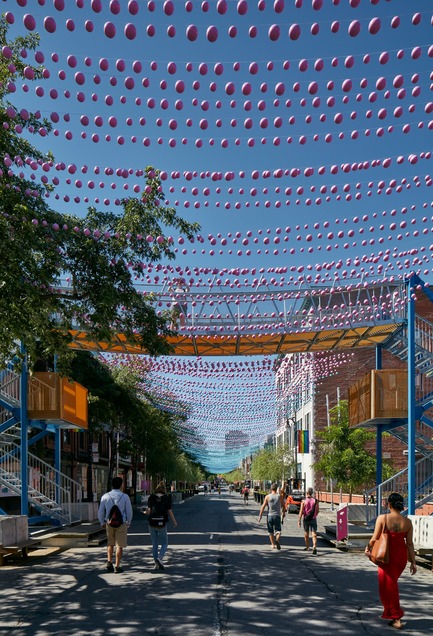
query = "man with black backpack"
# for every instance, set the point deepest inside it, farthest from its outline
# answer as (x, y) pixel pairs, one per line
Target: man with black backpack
(158, 512)
(115, 515)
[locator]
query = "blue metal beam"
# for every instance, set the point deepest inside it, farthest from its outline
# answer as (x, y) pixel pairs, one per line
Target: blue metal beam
(38, 436)
(427, 420)
(14, 410)
(10, 422)
(411, 396)
(57, 460)
(379, 444)
(24, 435)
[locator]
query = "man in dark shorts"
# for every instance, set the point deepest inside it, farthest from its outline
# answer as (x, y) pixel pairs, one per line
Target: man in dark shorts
(273, 503)
(309, 510)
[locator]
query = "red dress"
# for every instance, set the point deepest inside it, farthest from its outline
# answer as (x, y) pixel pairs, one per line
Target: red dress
(389, 573)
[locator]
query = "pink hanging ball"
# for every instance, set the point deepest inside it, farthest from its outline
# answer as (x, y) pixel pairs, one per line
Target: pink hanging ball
(354, 28)
(222, 7)
(242, 7)
(168, 7)
(374, 26)
(50, 24)
(29, 22)
(115, 7)
(130, 31)
(294, 31)
(212, 34)
(109, 30)
(192, 32)
(274, 32)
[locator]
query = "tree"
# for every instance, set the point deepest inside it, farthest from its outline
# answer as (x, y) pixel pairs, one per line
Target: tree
(234, 475)
(119, 409)
(58, 272)
(342, 452)
(272, 464)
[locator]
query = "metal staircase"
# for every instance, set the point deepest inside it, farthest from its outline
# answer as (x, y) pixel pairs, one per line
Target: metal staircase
(55, 496)
(50, 492)
(423, 345)
(424, 426)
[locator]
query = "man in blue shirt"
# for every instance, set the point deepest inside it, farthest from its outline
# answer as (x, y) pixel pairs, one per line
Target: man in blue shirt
(116, 536)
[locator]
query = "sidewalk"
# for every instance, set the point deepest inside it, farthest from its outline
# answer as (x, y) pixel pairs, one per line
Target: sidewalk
(221, 579)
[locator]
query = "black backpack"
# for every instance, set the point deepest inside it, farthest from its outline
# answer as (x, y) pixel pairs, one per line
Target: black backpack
(158, 511)
(115, 516)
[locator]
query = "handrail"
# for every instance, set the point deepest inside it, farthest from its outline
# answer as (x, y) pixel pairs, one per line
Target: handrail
(399, 483)
(10, 385)
(49, 490)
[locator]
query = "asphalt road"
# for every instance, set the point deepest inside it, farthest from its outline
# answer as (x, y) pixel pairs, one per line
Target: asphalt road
(221, 579)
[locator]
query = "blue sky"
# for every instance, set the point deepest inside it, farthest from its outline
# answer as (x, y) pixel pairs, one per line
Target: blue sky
(372, 90)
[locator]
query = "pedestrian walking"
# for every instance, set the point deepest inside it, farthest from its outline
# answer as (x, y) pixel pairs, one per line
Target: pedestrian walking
(400, 550)
(115, 515)
(273, 503)
(245, 493)
(309, 511)
(158, 512)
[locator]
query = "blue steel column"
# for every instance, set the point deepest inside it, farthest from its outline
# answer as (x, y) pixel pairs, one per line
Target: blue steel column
(57, 460)
(24, 435)
(379, 461)
(411, 399)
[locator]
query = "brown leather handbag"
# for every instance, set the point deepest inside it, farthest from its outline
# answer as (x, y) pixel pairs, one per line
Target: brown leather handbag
(380, 551)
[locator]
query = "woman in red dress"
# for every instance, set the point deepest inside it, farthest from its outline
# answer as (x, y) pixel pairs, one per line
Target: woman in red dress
(400, 551)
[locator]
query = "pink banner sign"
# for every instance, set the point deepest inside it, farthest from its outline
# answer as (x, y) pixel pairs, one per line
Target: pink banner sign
(342, 523)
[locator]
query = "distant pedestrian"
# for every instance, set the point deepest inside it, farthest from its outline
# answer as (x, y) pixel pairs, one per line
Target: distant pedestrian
(273, 503)
(245, 493)
(158, 512)
(116, 534)
(309, 510)
(400, 538)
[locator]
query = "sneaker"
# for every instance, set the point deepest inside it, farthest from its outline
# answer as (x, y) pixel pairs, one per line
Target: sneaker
(314, 551)
(109, 567)
(159, 563)
(277, 543)
(119, 570)
(306, 549)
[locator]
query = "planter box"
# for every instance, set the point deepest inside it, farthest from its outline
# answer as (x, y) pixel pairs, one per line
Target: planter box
(13, 530)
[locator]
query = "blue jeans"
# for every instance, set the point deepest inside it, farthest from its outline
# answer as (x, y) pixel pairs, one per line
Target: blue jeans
(159, 537)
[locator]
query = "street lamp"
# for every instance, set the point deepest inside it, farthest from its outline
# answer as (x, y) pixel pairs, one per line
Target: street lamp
(295, 443)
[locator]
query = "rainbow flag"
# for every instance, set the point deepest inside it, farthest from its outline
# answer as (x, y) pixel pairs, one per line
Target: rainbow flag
(303, 442)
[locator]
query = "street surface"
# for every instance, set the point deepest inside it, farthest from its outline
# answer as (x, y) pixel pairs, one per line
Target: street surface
(221, 579)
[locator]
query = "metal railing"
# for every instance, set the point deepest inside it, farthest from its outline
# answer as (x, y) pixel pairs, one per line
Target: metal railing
(10, 387)
(399, 483)
(49, 491)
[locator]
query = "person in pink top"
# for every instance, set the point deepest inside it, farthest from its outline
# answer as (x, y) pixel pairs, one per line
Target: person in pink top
(309, 510)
